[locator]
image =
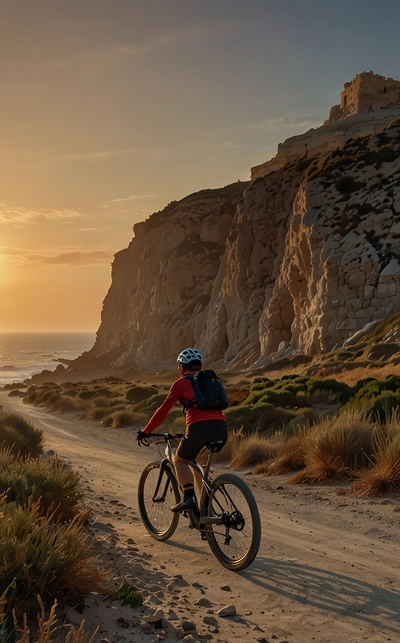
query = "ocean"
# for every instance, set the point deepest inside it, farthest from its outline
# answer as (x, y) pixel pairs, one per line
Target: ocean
(24, 354)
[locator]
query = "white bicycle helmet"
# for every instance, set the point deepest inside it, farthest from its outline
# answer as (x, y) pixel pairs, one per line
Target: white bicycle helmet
(189, 355)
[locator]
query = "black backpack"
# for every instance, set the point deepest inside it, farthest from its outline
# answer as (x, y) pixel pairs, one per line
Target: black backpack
(209, 392)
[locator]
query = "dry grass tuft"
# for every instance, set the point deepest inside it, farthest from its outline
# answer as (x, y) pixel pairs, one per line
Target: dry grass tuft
(250, 451)
(48, 628)
(383, 476)
(335, 447)
(289, 456)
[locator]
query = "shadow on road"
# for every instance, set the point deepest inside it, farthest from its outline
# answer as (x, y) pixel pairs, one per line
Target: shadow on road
(327, 590)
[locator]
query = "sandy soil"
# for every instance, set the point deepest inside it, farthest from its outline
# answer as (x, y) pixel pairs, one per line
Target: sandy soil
(327, 570)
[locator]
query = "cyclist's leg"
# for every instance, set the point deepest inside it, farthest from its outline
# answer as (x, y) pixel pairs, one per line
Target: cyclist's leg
(196, 436)
(183, 472)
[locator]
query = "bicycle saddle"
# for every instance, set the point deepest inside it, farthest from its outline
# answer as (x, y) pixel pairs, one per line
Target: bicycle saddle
(215, 445)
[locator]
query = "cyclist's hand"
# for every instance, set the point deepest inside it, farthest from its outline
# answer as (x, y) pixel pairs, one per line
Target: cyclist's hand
(141, 438)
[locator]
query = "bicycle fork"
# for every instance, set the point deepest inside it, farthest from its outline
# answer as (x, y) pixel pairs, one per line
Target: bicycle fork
(165, 464)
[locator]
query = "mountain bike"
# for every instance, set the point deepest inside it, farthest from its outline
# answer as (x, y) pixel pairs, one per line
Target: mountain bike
(227, 515)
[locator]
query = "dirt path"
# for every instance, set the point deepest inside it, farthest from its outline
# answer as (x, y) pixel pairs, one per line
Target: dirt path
(327, 569)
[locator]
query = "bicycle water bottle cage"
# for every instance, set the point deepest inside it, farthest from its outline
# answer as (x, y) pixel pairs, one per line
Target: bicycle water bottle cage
(215, 445)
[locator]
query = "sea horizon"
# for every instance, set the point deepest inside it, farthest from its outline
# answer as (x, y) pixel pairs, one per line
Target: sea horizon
(23, 354)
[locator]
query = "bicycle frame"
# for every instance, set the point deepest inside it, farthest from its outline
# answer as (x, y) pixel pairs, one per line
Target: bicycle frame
(227, 515)
(196, 521)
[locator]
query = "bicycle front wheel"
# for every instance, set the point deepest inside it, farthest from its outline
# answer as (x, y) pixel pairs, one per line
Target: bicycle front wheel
(234, 535)
(155, 509)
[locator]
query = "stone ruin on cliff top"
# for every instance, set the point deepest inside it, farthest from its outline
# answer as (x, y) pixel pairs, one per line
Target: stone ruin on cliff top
(367, 92)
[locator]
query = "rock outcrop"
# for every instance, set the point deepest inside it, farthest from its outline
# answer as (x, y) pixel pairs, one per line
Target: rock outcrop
(162, 283)
(297, 261)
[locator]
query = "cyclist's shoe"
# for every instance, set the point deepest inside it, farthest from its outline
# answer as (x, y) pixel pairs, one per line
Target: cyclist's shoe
(187, 502)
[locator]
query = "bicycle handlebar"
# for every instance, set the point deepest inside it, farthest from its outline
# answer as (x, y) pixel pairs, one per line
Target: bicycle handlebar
(166, 436)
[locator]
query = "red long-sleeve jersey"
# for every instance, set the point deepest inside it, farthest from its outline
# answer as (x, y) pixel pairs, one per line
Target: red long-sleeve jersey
(182, 389)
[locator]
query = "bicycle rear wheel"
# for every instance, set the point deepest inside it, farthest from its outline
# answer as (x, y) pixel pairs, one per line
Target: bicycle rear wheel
(155, 511)
(235, 539)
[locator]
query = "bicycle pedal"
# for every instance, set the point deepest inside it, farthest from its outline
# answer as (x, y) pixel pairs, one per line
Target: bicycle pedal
(203, 536)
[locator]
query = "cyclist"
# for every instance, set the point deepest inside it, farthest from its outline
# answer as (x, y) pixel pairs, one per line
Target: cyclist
(202, 426)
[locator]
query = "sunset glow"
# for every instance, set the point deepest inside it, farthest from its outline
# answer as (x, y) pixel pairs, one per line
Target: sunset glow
(110, 111)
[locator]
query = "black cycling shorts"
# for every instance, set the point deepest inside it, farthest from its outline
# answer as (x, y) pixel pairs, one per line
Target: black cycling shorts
(197, 434)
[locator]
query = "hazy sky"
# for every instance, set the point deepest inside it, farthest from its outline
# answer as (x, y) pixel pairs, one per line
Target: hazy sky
(110, 109)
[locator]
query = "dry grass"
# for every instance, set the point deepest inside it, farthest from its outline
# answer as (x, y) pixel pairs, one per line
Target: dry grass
(250, 451)
(122, 418)
(237, 394)
(288, 457)
(48, 629)
(335, 448)
(383, 476)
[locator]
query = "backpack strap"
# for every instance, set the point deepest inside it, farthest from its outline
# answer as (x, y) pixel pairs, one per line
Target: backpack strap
(187, 405)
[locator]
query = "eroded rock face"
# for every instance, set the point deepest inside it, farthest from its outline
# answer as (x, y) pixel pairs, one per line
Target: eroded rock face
(162, 283)
(299, 260)
(341, 264)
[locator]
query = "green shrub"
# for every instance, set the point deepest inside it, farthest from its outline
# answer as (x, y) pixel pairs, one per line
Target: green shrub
(138, 393)
(101, 391)
(86, 394)
(38, 556)
(376, 397)
(129, 595)
(150, 404)
(47, 482)
(19, 435)
(71, 392)
(383, 405)
(260, 417)
(339, 390)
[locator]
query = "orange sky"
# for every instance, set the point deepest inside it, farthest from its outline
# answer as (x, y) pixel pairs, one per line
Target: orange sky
(110, 110)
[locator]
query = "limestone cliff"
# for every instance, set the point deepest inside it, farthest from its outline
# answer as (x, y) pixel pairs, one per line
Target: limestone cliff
(299, 260)
(162, 283)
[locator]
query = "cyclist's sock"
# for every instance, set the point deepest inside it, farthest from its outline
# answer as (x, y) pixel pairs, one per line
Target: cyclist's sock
(188, 490)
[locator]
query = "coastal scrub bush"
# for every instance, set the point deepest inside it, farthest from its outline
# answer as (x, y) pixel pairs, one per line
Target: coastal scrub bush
(121, 418)
(377, 398)
(39, 556)
(260, 417)
(138, 393)
(86, 394)
(150, 404)
(55, 489)
(333, 389)
(19, 435)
